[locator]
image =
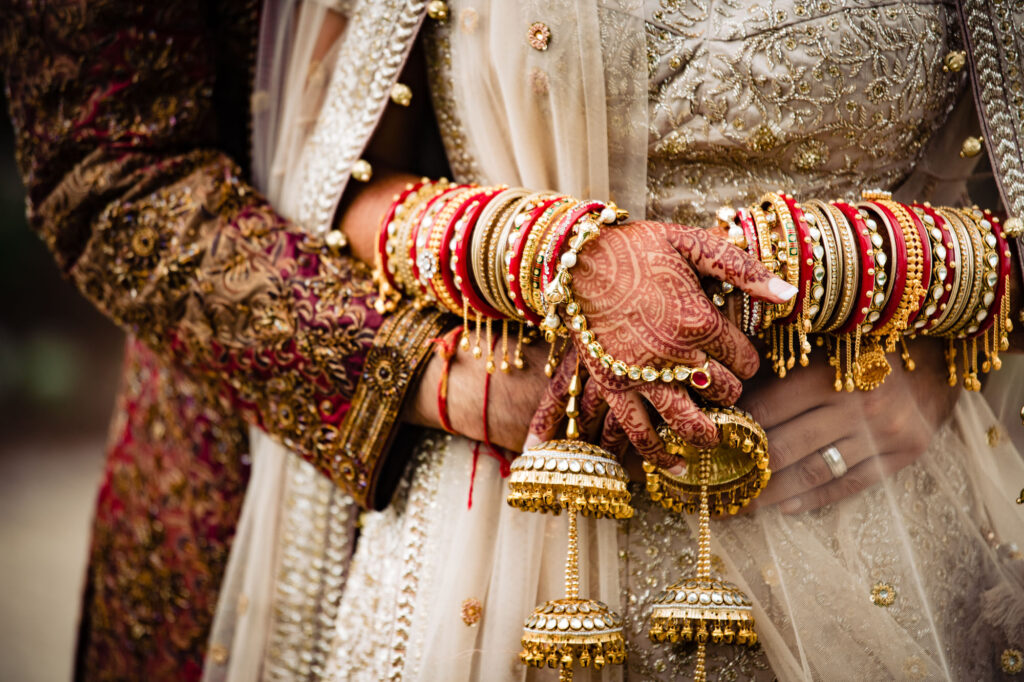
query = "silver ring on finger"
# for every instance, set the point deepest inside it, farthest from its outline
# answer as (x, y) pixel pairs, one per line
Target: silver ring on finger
(834, 460)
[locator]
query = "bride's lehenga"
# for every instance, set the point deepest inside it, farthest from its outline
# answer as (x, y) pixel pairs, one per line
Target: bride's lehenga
(918, 577)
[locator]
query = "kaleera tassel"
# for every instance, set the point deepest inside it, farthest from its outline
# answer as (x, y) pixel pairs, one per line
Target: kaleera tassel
(703, 607)
(580, 478)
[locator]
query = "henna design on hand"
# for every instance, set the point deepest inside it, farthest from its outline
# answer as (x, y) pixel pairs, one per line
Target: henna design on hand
(613, 437)
(639, 288)
(593, 409)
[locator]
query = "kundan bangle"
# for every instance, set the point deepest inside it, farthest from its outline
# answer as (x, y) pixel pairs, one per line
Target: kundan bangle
(827, 265)
(944, 263)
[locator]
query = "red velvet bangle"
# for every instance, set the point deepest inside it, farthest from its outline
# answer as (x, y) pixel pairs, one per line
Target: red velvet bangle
(385, 231)
(463, 276)
(512, 272)
(867, 270)
(949, 261)
(926, 264)
(806, 258)
(444, 269)
(898, 259)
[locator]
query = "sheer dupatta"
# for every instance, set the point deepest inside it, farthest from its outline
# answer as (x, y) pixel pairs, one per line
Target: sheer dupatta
(296, 530)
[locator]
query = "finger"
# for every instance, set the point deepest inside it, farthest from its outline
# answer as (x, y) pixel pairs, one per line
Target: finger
(676, 407)
(593, 409)
(864, 475)
(725, 342)
(551, 410)
(724, 388)
(772, 402)
(631, 413)
(811, 471)
(793, 440)
(712, 256)
(613, 438)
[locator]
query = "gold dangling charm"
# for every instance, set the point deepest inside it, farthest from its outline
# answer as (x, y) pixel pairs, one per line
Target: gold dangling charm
(871, 366)
(704, 607)
(581, 478)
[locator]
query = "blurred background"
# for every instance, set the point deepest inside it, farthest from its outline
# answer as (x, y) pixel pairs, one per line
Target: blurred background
(59, 362)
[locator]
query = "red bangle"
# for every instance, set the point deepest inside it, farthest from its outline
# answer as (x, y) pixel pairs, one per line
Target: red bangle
(387, 230)
(445, 252)
(867, 275)
(806, 261)
(926, 264)
(898, 256)
(431, 208)
(948, 255)
(514, 285)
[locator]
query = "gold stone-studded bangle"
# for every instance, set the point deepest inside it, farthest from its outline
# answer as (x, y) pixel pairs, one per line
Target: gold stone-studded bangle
(849, 265)
(528, 268)
(913, 270)
(787, 251)
(826, 268)
(958, 265)
(986, 260)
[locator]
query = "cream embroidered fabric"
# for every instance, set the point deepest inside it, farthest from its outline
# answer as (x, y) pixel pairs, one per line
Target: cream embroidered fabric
(672, 108)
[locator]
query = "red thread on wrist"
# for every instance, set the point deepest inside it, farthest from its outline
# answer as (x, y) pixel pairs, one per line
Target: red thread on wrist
(447, 346)
(504, 466)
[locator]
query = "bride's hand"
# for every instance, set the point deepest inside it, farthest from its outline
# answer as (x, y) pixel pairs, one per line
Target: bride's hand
(638, 287)
(877, 432)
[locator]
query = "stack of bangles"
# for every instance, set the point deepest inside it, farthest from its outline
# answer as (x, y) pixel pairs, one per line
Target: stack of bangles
(869, 274)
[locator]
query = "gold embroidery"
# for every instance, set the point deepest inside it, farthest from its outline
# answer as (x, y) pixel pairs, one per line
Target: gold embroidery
(392, 366)
(883, 594)
(993, 435)
(219, 654)
(471, 611)
(538, 36)
(1012, 661)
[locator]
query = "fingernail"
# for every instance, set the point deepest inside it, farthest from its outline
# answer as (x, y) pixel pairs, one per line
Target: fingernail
(790, 506)
(678, 469)
(782, 288)
(531, 440)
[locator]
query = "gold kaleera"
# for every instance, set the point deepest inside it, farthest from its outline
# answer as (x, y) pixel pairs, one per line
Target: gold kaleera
(578, 477)
(703, 607)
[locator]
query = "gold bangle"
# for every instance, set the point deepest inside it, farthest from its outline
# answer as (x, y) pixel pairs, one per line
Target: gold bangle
(403, 236)
(491, 219)
(826, 271)
(986, 275)
(788, 250)
(850, 268)
(912, 288)
(533, 242)
(962, 275)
